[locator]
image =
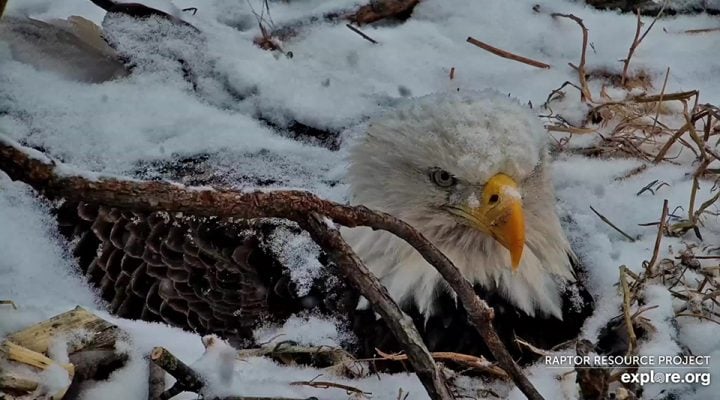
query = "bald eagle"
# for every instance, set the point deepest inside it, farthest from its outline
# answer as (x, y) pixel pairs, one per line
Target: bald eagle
(471, 173)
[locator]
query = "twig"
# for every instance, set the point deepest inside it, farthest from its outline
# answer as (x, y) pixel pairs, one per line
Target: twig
(359, 32)
(43, 174)
(327, 385)
(473, 362)
(582, 76)
(187, 380)
(334, 358)
(659, 104)
(661, 154)
(607, 221)
(658, 237)
(666, 97)
(632, 339)
(705, 30)
(698, 316)
(637, 40)
(506, 54)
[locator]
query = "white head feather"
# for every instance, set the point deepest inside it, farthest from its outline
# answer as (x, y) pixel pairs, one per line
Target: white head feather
(472, 138)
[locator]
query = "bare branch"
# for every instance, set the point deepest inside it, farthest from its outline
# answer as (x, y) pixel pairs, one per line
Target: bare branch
(637, 40)
(582, 76)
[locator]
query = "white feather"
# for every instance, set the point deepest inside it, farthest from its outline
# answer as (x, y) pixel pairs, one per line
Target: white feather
(473, 138)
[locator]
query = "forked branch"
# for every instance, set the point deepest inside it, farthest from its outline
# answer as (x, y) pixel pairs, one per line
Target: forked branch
(44, 175)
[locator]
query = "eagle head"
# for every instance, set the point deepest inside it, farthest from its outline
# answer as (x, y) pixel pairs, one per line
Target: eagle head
(469, 172)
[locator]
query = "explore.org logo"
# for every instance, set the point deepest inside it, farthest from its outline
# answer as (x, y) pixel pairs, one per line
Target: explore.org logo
(662, 369)
(702, 378)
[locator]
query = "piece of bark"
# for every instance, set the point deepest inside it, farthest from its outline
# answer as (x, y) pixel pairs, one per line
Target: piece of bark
(381, 9)
(11, 381)
(97, 333)
(13, 352)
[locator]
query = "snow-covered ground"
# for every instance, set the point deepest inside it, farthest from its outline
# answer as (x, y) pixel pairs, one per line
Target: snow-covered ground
(334, 81)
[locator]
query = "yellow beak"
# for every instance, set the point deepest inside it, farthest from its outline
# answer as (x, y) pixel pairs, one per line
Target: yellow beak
(500, 214)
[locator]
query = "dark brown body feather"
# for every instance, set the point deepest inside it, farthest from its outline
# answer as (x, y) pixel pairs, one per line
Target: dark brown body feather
(217, 276)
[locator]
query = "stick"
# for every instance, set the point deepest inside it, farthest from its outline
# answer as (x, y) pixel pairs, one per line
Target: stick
(327, 385)
(359, 32)
(506, 54)
(42, 173)
(368, 284)
(13, 381)
(582, 77)
(704, 30)
(637, 40)
(186, 379)
(607, 221)
(658, 238)
(466, 360)
(632, 345)
(662, 92)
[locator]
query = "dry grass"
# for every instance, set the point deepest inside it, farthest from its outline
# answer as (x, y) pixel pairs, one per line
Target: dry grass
(633, 115)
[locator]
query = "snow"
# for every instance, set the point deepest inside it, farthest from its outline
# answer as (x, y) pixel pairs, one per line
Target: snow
(335, 80)
(54, 379)
(305, 330)
(301, 253)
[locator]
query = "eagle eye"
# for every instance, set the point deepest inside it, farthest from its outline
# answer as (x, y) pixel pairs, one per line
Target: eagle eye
(442, 178)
